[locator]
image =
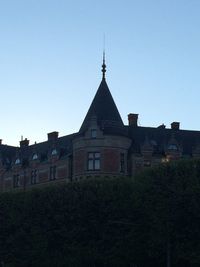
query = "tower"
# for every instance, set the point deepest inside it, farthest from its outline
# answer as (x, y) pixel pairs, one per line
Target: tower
(101, 147)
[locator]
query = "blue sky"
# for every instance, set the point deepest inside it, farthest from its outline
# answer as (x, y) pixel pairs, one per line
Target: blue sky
(51, 56)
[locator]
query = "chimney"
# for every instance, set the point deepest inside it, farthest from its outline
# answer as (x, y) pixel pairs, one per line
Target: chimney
(175, 125)
(0, 141)
(133, 119)
(52, 136)
(24, 143)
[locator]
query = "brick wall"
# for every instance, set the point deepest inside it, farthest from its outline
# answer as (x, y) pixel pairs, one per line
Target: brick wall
(79, 162)
(111, 160)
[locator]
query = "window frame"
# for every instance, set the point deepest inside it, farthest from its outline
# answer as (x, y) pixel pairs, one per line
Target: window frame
(94, 161)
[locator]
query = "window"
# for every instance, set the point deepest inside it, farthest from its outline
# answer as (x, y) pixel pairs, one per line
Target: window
(93, 133)
(172, 147)
(16, 181)
(17, 161)
(35, 156)
(54, 152)
(93, 161)
(122, 162)
(52, 173)
(147, 163)
(34, 177)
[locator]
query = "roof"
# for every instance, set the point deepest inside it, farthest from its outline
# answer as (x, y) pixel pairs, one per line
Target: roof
(9, 154)
(160, 139)
(103, 108)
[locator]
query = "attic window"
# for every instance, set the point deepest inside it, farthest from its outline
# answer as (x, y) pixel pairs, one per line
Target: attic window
(35, 156)
(54, 152)
(17, 161)
(172, 147)
(93, 133)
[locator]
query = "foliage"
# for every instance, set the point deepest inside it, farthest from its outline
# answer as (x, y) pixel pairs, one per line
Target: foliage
(147, 220)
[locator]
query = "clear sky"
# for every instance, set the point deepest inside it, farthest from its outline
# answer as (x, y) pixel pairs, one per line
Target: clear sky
(51, 56)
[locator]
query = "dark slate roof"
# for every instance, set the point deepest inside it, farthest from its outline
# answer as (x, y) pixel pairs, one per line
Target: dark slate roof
(62, 144)
(9, 154)
(103, 108)
(160, 139)
(6, 154)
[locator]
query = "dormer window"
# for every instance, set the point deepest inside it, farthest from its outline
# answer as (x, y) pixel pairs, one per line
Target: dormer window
(35, 156)
(54, 152)
(93, 133)
(17, 161)
(172, 147)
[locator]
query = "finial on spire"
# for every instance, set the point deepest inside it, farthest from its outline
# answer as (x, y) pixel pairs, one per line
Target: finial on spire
(104, 65)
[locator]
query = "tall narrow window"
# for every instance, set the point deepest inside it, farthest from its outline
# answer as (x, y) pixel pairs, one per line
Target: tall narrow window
(34, 177)
(122, 162)
(16, 181)
(93, 161)
(52, 173)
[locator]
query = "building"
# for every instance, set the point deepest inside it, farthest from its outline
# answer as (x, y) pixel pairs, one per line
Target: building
(103, 146)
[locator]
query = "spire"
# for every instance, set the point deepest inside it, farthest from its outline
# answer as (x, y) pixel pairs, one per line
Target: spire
(104, 66)
(103, 108)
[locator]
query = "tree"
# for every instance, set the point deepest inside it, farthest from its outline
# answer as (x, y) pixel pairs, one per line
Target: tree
(150, 220)
(169, 197)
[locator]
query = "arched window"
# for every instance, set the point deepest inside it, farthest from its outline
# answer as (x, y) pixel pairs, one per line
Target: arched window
(35, 156)
(17, 161)
(54, 152)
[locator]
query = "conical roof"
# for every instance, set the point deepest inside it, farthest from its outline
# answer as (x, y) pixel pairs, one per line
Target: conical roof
(103, 108)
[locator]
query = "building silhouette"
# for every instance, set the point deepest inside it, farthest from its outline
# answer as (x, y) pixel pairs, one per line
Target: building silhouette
(103, 146)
